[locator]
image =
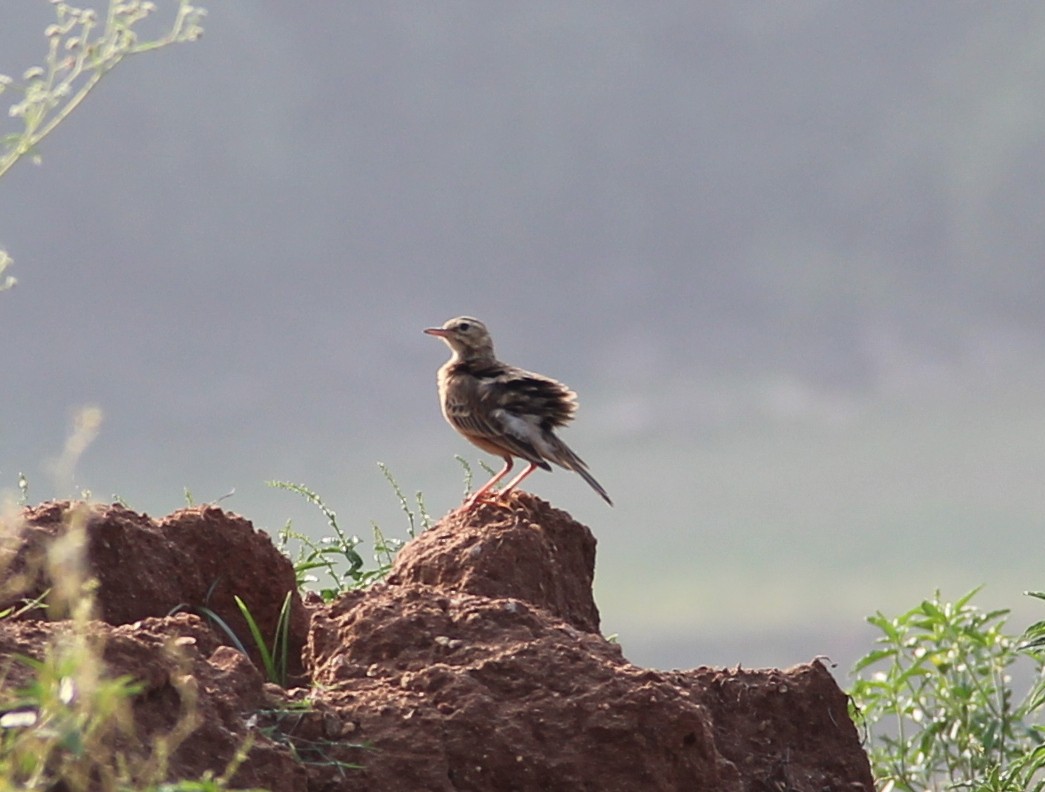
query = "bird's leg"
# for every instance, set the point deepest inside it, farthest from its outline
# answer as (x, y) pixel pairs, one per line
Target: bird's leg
(481, 493)
(515, 481)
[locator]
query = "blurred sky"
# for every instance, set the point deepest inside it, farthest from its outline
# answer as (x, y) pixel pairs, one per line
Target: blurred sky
(789, 255)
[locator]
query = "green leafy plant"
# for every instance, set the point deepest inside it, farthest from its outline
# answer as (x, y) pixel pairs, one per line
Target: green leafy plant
(70, 724)
(6, 281)
(273, 658)
(282, 726)
(62, 717)
(469, 475)
(335, 556)
(82, 47)
(937, 700)
(38, 603)
(422, 513)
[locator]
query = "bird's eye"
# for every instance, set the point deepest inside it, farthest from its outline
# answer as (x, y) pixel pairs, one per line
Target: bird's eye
(464, 327)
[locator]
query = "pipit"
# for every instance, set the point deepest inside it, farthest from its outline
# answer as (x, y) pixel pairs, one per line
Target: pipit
(504, 410)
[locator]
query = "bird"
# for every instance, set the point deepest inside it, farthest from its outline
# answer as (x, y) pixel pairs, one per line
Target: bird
(504, 410)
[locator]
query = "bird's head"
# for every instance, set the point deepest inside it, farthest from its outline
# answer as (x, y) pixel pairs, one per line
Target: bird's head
(467, 337)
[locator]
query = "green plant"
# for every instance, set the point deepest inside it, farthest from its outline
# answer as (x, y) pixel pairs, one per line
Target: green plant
(23, 489)
(69, 723)
(283, 726)
(38, 603)
(468, 475)
(6, 281)
(939, 706)
(82, 47)
(274, 659)
(422, 515)
(336, 556)
(66, 716)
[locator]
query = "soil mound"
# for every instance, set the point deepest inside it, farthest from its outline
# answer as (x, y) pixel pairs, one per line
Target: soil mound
(193, 559)
(478, 665)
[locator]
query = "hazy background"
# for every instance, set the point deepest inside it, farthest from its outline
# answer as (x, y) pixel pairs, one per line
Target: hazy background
(790, 256)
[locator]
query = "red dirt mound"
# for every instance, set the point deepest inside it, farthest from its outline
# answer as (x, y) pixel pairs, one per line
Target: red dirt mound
(193, 558)
(531, 552)
(477, 666)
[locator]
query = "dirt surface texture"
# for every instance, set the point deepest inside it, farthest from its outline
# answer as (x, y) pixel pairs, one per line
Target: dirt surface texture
(477, 665)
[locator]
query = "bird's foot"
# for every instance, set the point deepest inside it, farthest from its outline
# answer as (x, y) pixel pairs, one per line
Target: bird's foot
(491, 497)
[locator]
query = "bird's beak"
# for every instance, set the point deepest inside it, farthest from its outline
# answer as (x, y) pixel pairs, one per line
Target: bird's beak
(437, 331)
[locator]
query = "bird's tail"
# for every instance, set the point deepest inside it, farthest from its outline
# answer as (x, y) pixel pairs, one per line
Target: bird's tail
(565, 457)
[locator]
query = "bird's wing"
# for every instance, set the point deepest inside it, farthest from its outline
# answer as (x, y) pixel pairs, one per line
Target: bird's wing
(508, 410)
(476, 405)
(528, 395)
